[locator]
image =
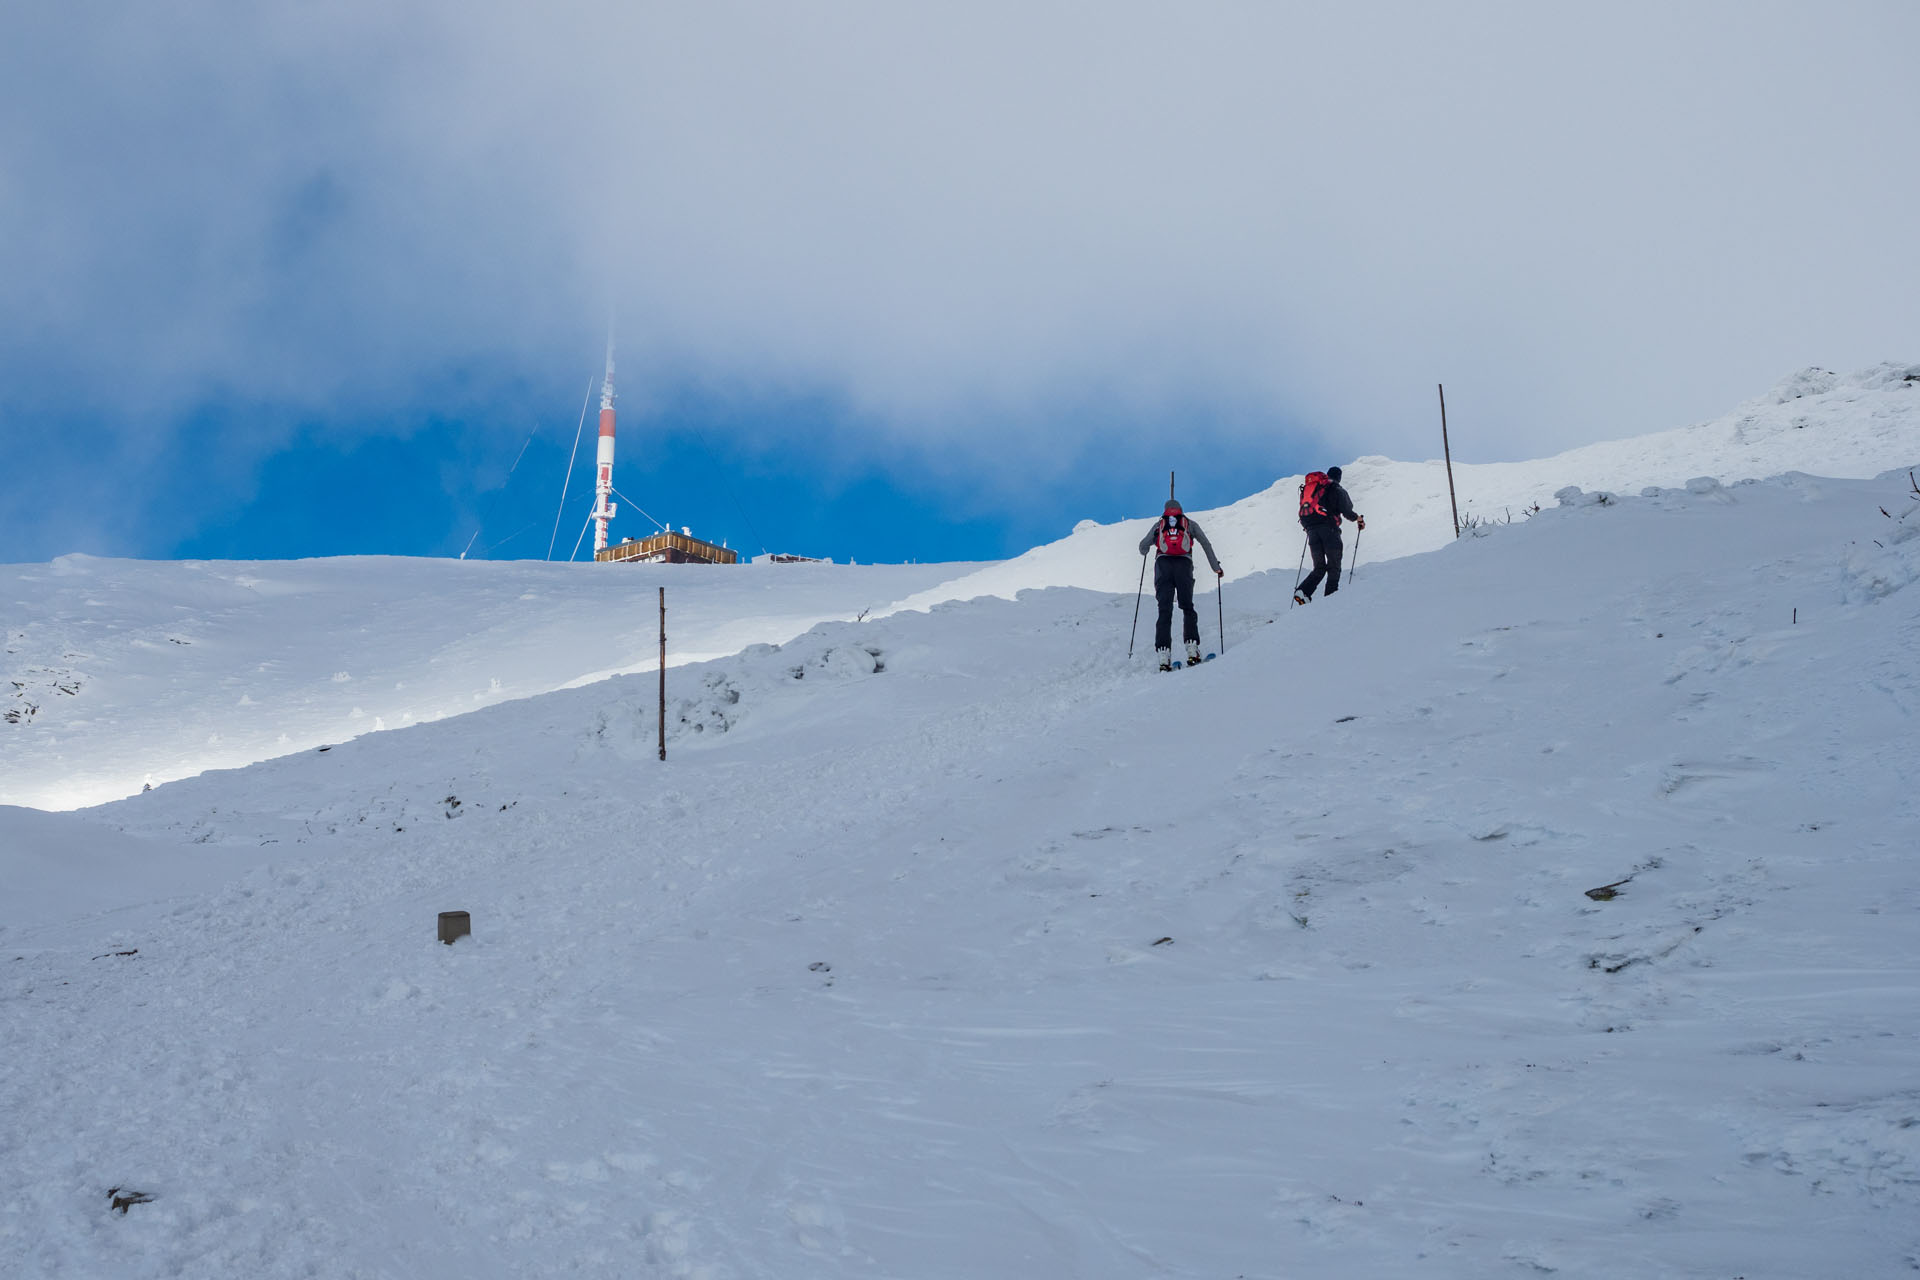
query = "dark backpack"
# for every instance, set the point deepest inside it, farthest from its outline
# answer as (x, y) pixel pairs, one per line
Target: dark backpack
(1311, 490)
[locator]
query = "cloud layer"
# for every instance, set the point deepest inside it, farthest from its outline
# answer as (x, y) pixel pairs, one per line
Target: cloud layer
(979, 226)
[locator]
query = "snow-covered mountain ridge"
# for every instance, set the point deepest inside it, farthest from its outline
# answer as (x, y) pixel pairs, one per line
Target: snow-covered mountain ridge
(120, 674)
(1821, 423)
(912, 961)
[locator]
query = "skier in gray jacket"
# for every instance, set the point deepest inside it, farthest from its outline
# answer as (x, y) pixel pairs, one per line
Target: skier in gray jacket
(1173, 535)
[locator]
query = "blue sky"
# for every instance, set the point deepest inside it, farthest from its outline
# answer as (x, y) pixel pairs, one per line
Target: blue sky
(899, 282)
(491, 486)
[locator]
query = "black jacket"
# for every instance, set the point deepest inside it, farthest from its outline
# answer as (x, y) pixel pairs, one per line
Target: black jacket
(1334, 498)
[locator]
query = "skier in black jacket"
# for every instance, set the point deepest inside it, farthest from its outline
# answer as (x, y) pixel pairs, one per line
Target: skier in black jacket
(1322, 503)
(1173, 535)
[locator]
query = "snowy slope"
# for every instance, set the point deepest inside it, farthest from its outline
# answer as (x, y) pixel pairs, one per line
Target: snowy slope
(912, 962)
(120, 674)
(1821, 423)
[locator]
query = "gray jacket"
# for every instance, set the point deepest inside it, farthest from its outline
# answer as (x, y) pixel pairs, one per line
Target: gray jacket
(1193, 527)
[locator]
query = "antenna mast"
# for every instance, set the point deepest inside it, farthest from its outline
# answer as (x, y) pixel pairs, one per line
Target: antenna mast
(603, 507)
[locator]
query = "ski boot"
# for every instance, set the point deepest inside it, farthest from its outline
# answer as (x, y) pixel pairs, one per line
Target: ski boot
(1300, 598)
(1166, 658)
(1193, 653)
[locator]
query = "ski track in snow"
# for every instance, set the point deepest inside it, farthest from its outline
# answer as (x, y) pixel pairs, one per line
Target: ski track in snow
(914, 961)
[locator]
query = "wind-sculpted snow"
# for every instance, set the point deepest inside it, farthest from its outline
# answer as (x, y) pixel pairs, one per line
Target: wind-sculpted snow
(120, 674)
(1889, 561)
(732, 689)
(608, 726)
(1543, 905)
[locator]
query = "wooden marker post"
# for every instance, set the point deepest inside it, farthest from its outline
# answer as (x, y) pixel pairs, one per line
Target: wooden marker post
(1447, 450)
(663, 673)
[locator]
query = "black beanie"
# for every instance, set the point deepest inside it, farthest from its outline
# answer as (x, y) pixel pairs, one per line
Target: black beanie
(1333, 474)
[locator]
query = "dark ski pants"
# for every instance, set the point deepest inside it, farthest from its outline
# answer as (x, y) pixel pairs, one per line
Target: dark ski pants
(1324, 542)
(1173, 575)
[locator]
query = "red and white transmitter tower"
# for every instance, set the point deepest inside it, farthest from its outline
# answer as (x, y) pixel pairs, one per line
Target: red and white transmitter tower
(603, 463)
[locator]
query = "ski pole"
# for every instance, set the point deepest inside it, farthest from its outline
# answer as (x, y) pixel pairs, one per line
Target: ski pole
(1220, 603)
(1301, 567)
(1137, 592)
(1354, 572)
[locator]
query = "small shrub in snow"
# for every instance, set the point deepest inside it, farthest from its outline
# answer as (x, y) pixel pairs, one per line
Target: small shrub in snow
(124, 1198)
(1480, 526)
(1890, 562)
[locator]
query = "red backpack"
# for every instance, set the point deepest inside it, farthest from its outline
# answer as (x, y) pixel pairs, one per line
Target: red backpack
(1311, 488)
(1172, 537)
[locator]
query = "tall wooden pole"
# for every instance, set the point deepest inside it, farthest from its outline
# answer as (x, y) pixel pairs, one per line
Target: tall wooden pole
(663, 673)
(1447, 449)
